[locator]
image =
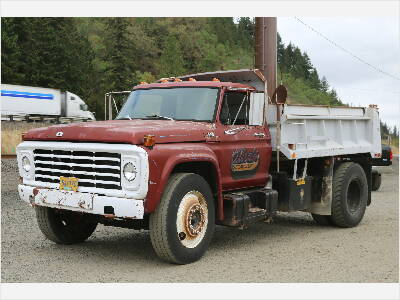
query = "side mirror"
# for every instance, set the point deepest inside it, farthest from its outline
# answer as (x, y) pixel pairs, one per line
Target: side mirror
(256, 111)
(280, 95)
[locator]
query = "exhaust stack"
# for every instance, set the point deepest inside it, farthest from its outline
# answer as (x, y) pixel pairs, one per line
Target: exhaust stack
(266, 50)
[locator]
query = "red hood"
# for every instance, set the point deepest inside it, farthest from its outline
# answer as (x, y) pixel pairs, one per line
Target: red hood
(124, 131)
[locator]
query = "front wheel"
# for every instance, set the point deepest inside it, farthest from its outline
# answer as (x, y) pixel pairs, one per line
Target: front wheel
(182, 226)
(63, 226)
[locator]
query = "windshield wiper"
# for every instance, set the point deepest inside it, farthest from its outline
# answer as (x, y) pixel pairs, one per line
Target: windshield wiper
(159, 117)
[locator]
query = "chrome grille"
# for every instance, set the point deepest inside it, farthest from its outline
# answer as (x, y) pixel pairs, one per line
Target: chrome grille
(93, 169)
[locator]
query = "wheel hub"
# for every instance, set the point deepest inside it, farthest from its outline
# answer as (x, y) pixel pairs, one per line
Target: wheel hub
(195, 220)
(192, 219)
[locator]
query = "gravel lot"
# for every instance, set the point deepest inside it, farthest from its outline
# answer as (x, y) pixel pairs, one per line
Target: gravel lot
(292, 249)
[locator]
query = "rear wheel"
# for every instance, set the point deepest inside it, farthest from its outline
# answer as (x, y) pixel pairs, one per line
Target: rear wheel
(62, 226)
(350, 195)
(182, 226)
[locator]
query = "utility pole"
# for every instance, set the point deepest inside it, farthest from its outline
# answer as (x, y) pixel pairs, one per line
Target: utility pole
(266, 50)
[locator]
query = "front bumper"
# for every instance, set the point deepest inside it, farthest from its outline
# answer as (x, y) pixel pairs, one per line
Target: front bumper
(83, 202)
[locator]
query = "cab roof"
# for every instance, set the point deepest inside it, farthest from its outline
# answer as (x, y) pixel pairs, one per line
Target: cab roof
(173, 84)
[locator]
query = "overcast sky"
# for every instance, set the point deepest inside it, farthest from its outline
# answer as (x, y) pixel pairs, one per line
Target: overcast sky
(375, 40)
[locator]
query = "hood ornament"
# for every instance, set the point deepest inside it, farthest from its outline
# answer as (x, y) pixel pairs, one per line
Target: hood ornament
(60, 133)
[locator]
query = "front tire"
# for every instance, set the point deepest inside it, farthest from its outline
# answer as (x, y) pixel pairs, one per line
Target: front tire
(350, 195)
(62, 226)
(182, 226)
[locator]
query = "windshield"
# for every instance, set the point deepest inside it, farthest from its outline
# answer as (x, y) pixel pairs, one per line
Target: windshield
(195, 104)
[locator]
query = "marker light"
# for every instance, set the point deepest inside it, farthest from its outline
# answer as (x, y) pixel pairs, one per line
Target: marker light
(178, 80)
(149, 140)
(143, 82)
(191, 79)
(215, 79)
(164, 81)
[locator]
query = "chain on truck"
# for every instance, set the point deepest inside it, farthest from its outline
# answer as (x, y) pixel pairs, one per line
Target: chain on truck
(186, 154)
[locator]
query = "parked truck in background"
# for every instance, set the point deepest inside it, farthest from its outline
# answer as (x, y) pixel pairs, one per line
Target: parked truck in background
(24, 102)
(186, 154)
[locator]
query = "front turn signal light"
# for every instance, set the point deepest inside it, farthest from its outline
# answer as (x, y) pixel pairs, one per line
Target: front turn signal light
(149, 140)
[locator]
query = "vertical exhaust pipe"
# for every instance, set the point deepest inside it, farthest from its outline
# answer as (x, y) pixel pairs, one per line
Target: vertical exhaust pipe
(266, 50)
(266, 59)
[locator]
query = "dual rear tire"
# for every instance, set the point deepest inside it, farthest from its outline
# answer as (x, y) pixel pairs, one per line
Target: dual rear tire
(349, 197)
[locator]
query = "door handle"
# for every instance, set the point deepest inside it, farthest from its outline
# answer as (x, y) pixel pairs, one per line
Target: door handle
(234, 131)
(260, 134)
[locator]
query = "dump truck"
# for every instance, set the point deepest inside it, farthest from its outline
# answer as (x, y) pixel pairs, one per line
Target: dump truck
(28, 103)
(186, 154)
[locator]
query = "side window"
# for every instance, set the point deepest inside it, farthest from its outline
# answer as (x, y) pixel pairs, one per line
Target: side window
(235, 109)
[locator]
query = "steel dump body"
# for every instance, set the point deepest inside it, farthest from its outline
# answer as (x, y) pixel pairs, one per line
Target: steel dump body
(318, 131)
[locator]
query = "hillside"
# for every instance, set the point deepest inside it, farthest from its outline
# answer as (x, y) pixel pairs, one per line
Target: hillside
(96, 55)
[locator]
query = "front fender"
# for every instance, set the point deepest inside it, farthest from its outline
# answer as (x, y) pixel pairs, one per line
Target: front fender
(163, 158)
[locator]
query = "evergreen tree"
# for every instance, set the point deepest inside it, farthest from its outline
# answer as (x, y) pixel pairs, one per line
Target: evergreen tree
(118, 55)
(11, 52)
(324, 84)
(395, 131)
(171, 60)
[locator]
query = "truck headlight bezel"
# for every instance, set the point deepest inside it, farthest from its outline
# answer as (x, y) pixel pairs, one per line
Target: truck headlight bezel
(129, 171)
(26, 164)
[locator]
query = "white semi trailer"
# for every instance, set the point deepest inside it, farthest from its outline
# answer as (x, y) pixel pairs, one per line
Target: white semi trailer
(24, 102)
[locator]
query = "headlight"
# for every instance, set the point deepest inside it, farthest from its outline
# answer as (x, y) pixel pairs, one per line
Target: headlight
(129, 171)
(26, 164)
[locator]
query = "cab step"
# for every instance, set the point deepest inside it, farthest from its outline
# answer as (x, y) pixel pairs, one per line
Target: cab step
(245, 207)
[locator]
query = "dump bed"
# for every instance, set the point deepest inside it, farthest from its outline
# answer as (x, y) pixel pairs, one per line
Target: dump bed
(317, 131)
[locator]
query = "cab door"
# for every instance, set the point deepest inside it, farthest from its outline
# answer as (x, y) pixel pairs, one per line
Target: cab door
(244, 149)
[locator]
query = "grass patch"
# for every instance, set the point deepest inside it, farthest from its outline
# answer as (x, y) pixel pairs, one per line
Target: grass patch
(11, 135)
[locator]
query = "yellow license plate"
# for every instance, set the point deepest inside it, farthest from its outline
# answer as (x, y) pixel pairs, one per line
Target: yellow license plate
(68, 183)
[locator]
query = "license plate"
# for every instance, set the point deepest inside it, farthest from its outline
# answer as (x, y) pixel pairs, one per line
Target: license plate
(69, 183)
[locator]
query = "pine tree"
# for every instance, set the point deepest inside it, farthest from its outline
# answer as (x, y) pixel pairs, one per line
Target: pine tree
(171, 60)
(11, 52)
(324, 84)
(118, 55)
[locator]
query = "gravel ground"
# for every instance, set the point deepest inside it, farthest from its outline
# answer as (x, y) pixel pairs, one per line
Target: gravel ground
(292, 249)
